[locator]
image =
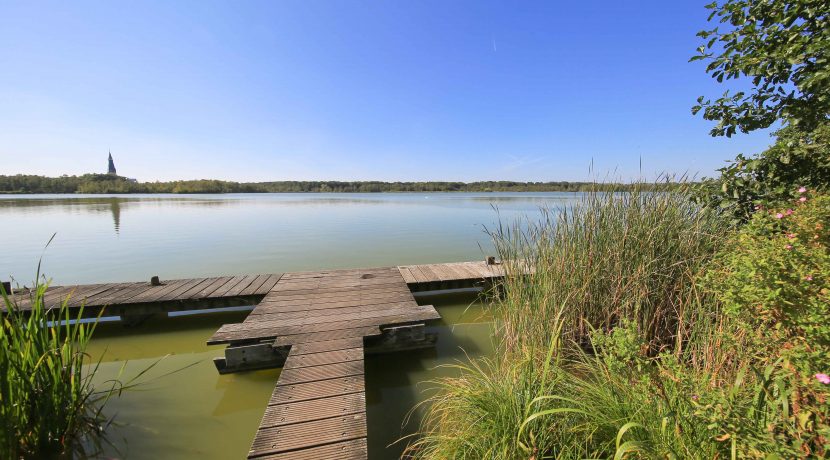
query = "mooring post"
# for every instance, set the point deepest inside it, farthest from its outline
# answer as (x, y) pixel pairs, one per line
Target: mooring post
(491, 260)
(154, 281)
(7, 287)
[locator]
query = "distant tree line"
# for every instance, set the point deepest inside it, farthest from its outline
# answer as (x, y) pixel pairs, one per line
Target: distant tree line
(103, 183)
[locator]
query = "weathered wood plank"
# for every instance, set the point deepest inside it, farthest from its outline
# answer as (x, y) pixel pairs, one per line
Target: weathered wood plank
(285, 313)
(255, 285)
(241, 285)
(363, 331)
(408, 277)
(211, 288)
(302, 325)
(308, 434)
(325, 303)
(355, 449)
(315, 390)
(315, 409)
(268, 285)
(327, 345)
(324, 372)
(297, 361)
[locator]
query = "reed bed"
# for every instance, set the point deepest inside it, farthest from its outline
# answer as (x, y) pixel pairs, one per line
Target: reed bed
(612, 255)
(48, 404)
(592, 295)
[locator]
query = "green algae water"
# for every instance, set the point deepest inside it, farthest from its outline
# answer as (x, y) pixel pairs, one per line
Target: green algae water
(182, 408)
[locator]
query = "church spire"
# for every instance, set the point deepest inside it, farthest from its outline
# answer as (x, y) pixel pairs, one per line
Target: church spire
(111, 166)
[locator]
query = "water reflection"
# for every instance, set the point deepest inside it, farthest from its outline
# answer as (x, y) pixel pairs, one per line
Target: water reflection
(132, 237)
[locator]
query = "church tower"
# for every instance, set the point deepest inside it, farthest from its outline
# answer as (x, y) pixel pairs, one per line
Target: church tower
(111, 166)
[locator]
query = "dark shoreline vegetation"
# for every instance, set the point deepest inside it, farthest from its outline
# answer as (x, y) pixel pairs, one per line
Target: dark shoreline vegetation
(104, 183)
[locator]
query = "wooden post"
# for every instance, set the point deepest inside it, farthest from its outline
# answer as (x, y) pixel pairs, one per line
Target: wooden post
(154, 281)
(7, 287)
(491, 260)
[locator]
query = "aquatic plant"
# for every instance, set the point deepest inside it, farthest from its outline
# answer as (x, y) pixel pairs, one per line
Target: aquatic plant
(609, 257)
(48, 404)
(716, 348)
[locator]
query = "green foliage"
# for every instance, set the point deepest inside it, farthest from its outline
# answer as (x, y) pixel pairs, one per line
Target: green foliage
(48, 405)
(774, 284)
(783, 47)
(797, 159)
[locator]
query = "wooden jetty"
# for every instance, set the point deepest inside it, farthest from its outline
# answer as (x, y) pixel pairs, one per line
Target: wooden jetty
(316, 326)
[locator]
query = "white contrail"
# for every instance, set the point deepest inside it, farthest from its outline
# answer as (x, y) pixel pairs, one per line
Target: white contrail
(494, 45)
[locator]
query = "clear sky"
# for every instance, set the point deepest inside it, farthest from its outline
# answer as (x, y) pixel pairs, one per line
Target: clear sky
(386, 90)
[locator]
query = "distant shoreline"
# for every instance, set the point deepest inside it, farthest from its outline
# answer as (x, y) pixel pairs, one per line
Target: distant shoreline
(109, 184)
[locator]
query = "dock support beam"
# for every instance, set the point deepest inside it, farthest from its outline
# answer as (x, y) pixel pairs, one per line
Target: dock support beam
(401, 338)
(239, 358)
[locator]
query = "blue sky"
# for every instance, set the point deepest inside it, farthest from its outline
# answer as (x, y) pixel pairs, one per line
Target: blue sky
(387, 90)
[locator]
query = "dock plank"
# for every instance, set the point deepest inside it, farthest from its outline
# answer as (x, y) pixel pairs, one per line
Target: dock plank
(308, 434)
(314, 409)
(355, 449)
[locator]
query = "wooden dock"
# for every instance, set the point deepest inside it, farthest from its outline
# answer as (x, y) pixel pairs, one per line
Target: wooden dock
(316, 326)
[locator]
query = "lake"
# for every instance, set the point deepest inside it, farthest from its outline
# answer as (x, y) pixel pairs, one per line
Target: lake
(183, 408)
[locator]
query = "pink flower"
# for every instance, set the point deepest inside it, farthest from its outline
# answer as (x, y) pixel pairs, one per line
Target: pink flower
(789, 212)
(779, 216)
(809, 278)
(823, 378)
(802, 190)
(802, 199)
(791, 236)
(788, 247)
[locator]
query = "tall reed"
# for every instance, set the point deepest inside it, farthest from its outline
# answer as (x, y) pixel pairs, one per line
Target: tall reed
(592, 294)
(612, 255)
(48, 404)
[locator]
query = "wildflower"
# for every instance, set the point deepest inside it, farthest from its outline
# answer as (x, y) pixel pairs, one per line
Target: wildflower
(802, 199)
(823, 378)
(789, 212)
(808, 278)
(695, 397)
(779, 216)
(788, 247)
(802, 190)
(791, 236)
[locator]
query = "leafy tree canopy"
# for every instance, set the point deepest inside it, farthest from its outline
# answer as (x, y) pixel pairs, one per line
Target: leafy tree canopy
(783, 47)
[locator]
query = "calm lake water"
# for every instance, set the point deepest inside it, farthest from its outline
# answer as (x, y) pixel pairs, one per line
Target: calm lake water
(183, 408)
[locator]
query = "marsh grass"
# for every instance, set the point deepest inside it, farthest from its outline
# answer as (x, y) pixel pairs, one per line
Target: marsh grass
(593, 294)
(632, 255)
